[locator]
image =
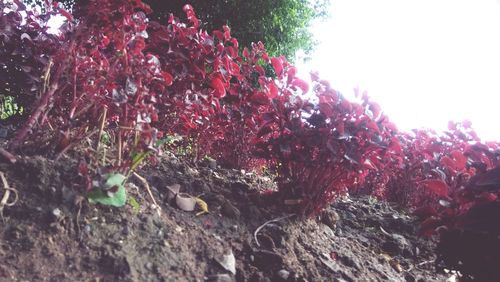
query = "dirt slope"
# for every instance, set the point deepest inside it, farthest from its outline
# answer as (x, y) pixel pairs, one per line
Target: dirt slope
(53, 234)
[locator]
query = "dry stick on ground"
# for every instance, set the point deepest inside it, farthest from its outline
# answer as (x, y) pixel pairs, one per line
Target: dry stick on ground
(4, 202)
(145, 183)
(266, 223)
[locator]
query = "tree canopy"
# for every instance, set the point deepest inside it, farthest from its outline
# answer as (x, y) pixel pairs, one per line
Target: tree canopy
(282, 25)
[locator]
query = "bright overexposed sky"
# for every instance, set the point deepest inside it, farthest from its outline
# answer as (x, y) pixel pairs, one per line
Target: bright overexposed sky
(424, 61)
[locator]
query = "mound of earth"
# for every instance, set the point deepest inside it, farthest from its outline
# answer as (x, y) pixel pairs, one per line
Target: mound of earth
(52, 233)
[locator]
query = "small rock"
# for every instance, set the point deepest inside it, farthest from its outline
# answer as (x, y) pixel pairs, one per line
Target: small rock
(330, 218)
(283, 274)
(228, 262)
(57, 213)
(87, 228)
(149, 265)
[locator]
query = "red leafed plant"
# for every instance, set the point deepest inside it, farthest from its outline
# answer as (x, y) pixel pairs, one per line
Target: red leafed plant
(321, 151)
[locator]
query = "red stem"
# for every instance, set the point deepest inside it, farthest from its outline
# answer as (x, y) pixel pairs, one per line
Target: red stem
(28, 125)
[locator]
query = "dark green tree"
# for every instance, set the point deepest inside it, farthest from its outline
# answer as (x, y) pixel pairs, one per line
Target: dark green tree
(282, 25)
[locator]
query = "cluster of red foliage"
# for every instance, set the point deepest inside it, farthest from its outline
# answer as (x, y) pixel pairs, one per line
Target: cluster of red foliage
(143, 80)
(140, 80)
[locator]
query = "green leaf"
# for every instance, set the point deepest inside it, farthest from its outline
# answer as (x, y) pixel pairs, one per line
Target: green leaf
(104, 196)
(137, 159)
(114, 179)
(118, 199)
(133, 202)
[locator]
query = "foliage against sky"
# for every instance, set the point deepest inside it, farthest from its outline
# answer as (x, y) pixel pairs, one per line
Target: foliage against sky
(281, 25)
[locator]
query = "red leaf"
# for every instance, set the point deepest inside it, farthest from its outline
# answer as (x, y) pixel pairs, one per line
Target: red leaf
(372, 125)
(168, 78)
(259, 98)
(218, 34)
(448, 162)
(227, 32)
(277, 65)
(66, 14)
(246, 53)
(218, 86)
(273, 90)
(438, 187)
(301, 84)
(460, 159)
(326, 108)
(292, 71)
(260, 70)
(395, 145)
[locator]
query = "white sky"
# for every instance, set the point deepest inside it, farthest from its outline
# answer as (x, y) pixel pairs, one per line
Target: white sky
(424, 61)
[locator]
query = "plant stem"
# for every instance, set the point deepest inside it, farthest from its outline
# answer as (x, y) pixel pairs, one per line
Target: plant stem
(101, 129)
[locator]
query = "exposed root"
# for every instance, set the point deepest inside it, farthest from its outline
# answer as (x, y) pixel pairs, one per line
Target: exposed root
(5, 199)
(145, 183)
(266, 223)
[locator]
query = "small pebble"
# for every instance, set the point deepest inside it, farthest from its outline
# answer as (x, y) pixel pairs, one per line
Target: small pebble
(283, 274)
(57, 212)
(87, 228)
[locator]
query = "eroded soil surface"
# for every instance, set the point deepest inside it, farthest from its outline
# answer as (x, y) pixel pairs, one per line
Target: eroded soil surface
(53, 234)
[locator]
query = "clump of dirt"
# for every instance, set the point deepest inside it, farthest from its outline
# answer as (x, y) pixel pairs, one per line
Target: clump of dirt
(53, 234)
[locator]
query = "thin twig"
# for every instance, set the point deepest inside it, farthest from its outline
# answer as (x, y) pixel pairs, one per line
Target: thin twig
(119, 148)
(101, 128)
(266, 223)
(4, 202)
(145, 183)
(71, 145)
